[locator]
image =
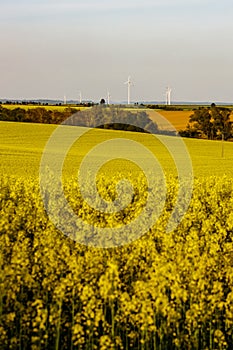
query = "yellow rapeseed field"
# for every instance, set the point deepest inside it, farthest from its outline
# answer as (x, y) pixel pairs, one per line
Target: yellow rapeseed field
(47, 107)
(166, 290)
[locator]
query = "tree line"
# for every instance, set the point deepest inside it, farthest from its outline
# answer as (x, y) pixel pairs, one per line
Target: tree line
(212, 123)
(114, 118)
(35, 115)
(104, 117)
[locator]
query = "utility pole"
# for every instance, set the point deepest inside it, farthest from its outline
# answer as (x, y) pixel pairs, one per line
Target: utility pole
(222, 144)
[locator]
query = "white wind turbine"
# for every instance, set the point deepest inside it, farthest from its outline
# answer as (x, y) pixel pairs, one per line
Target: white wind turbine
(129, 83)
(168, 96)
(108, 97)
(64, 99)
(80, 97)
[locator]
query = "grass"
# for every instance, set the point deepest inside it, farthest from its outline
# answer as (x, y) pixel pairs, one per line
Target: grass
(22, 145)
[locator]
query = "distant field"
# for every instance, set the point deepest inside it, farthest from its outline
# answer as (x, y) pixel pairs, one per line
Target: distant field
(179, 119)
(50, 108)
(22, 146)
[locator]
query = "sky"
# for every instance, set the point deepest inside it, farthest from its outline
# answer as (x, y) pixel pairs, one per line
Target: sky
(53, 48)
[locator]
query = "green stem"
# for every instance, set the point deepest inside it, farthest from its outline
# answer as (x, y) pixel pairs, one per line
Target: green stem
(58, 327)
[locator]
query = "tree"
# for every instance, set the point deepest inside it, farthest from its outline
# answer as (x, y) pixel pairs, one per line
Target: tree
(102, 101)
(18, 114)
(114, 118)
(211, 123)
(201, 122)
(222, 124)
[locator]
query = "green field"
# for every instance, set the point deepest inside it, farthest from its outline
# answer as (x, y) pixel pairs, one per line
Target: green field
(157, 291)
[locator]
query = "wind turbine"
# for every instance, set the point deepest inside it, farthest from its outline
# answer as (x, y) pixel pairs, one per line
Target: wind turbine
(64, 99)
(168, 96)
(129, 83)
(108, 97)
(80, 97)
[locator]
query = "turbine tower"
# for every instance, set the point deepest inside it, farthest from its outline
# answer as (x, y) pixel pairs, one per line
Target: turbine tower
(108, 97)
(168, 96)
(64, 99)
(129, 83)
(80, 97)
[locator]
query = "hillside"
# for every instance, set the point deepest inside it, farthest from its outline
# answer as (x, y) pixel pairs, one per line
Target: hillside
(22, 145)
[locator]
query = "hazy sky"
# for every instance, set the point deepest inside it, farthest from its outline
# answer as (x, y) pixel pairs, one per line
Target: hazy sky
(56, 47)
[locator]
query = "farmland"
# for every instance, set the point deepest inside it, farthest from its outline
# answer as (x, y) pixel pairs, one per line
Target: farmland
(22, 145)
(47, 107)
(178, 118)
(166, 290)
